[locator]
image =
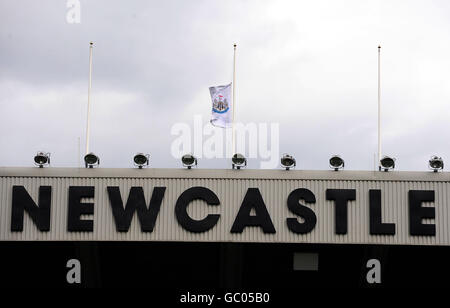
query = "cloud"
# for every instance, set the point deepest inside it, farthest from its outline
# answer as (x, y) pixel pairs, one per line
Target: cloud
(309, 66)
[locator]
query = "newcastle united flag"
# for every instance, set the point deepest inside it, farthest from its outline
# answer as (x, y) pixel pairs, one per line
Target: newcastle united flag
(221, 106)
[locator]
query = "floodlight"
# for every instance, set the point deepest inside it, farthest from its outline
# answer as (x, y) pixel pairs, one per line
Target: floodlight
(91, 160)
(336, 162)
(288, 161)
(238, 161)
(41, 159)
(189, 160)
(387, 163)
(436, 163)
(140, 160)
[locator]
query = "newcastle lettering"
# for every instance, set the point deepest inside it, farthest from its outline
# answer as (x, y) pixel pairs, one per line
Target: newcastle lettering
(251, 213)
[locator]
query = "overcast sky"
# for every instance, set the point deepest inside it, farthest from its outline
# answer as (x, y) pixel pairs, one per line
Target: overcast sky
(310, 66)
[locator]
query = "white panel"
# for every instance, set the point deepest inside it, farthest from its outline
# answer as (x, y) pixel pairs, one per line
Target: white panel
(304, 261)
(230, 187)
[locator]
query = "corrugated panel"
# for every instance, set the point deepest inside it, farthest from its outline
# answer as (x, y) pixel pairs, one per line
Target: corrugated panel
(231, 193)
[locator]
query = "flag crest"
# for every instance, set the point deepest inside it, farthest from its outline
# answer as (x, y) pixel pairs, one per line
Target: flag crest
(221, 106)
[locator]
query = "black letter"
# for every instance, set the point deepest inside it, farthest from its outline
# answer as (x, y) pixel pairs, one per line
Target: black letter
(376, 225)
(299, 209)
(253, 200)
(183, 201)
(341, 196)
(76, 208)
(417, 212)
(136, 201)
(21, 201)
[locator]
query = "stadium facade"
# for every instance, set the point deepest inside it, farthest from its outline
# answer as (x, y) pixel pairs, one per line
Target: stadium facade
(204, 228)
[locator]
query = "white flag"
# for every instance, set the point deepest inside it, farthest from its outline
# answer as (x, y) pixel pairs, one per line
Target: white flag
(221, 106)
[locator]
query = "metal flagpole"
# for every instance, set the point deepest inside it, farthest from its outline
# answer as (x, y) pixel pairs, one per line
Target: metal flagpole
(234, 99)
(379, 109)
(79, 153)
(89, 97)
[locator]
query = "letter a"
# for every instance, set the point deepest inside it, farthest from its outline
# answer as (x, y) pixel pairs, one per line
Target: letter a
(374, 274)
(73, 15)
(74, 274)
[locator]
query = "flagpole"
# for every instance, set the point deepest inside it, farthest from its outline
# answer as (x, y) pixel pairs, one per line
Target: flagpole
(89, 97)
(234, 99)
(379, 108)
(79, 153)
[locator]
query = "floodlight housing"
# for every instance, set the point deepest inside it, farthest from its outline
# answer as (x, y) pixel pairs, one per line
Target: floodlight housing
(436, 163)
(42, 159)
(141, 160)
(189, 160)
(91, 160)
(238, 161)
(336, 162)
(288, 161)
(387, 163)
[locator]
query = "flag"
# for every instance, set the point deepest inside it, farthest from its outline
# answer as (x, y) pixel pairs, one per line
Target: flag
(221, 106)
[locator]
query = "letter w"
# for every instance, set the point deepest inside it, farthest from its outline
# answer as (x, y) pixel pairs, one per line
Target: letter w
(136, 202)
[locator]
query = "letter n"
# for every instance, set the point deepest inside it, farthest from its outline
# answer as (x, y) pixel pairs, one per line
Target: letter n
(21, 202)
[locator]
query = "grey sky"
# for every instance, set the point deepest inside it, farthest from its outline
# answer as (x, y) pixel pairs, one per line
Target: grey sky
(310, 66)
